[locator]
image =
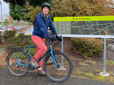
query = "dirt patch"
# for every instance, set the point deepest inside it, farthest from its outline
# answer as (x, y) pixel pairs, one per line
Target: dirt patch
(3, 59)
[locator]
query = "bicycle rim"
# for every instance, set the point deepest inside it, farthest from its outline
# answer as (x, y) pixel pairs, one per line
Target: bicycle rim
(17, 56)
(63, 72)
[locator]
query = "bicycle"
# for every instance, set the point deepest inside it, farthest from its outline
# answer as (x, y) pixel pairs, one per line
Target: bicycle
(59, 71)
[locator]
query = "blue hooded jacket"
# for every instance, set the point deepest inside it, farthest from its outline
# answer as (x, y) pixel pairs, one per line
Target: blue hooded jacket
(41, 26)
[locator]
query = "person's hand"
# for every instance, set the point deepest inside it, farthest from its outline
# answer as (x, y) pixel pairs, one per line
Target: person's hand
(59, 38)
(52, 38)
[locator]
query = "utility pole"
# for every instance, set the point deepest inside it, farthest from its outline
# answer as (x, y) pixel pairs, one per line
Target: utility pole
(1, 22)
(1, 14)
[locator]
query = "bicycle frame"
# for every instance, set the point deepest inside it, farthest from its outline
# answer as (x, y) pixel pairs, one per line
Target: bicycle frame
(49, 50)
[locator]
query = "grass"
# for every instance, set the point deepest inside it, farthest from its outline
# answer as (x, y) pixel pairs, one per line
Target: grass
(90, 69)
(109, 62)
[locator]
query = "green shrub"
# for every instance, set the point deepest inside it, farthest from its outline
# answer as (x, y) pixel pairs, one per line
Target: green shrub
(13, 42)
(89, 47)
(9, 34)
(21, 35)
(19, 41)
(33, 51)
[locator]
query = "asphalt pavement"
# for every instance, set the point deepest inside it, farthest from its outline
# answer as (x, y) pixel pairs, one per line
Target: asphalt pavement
(29, 31)
(32, 79)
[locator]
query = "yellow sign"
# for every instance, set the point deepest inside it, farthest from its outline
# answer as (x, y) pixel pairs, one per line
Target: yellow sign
(85, 18)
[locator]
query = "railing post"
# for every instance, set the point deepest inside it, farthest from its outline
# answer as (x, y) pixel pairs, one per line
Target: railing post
(104, 61)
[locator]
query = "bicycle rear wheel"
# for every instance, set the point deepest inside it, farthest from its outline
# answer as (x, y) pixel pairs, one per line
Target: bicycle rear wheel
(64, 69)
(15, 62)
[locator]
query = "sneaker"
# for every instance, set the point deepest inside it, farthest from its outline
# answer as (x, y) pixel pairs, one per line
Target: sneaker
(41, 73)
(34, 64)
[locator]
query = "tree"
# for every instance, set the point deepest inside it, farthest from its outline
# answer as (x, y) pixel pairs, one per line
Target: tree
(20, 2)
(56, 9)
(63, 8)
(55, 5)
(31, 2)
(17, 11)
(33, 12)
(35, 3)
(85, 8)
(6, 22)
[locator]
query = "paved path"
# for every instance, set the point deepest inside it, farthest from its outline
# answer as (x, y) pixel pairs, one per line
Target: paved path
(32, 79)
(29, 31)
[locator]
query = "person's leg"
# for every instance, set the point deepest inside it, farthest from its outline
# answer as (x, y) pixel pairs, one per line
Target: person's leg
(36, 52)
(40, 63)
(41, 49)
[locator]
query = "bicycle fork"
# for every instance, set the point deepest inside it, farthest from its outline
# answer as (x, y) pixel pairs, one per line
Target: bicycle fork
(53, 57)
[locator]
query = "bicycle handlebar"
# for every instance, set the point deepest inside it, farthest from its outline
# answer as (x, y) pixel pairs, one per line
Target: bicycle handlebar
(49, 41)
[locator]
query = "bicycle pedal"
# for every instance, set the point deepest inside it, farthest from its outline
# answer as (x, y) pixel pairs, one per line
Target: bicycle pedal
(33, 67)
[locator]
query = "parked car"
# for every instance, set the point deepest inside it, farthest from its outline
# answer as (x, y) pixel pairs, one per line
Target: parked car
(0, 29)
(21, 27)
(13, 28)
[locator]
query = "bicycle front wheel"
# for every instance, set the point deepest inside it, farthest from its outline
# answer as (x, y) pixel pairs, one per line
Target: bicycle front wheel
(17, 62)
(63, 69)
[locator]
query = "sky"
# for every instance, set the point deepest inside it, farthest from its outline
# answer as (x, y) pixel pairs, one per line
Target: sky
(5, 8)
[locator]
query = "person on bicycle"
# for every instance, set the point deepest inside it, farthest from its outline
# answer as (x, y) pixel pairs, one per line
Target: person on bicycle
(42, 22)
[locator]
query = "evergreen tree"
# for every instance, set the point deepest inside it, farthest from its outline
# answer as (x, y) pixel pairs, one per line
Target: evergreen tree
(17, 11)
(18, 8)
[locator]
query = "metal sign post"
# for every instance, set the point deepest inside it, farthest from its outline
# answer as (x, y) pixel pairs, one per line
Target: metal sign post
(104, 61)
(62, 60)
(62, 51)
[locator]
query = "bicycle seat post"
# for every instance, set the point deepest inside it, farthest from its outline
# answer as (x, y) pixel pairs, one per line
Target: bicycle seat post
(27, 39)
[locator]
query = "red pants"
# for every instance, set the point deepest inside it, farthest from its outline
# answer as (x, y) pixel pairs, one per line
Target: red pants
(41, 48)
